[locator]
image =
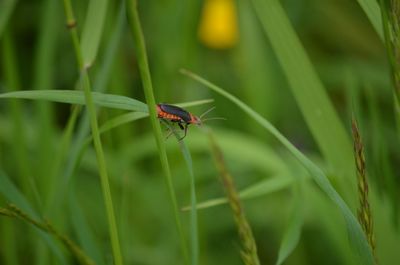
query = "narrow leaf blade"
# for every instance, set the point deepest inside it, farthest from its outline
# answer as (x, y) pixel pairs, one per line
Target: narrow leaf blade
(321, 117)
(6, 9)
(11, 193)
(372, 10)
(92, 30)
(292, 235)
(78, 97)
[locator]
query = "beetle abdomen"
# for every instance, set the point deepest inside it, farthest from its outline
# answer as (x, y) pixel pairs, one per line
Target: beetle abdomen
(173, 112)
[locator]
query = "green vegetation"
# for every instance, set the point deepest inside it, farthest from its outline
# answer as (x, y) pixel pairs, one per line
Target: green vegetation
(302, 171)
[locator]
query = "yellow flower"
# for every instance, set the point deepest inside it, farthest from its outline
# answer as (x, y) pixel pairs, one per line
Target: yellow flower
(218, 25)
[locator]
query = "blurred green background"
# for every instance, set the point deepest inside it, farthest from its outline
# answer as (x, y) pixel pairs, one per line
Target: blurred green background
(309, 90)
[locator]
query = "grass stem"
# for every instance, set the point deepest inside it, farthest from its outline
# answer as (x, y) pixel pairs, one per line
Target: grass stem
(141, 54)
(71, 24)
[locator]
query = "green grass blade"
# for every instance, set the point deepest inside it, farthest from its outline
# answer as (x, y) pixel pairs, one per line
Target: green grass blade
(19, 153)
(102, 77)
(261, 188)
(292, 235)
(12, 80)
(106, 189)
(396, 106)
(6, 9)
(89, 100)
(78, 97)
(141, 54)
(372, 10)
(100, 99)
(83, 230)
(317, 109)
(100, 84)
(13, 211)
(356, 235)
(121, 120)
(193, 201)
(254, 153)
(43, 79)
(92, 30)
(194, 103)
(267, 186)
(257, 68)
(55, 183)
(12, 194)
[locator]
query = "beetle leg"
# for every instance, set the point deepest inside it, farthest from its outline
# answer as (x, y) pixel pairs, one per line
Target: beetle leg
(186, 127)
(169, 134)
(180, 125)
(169, 129)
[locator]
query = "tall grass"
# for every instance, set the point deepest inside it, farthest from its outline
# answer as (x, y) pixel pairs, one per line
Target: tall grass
(78, 85)
(82, 59)
(148, 91)
(357, 238)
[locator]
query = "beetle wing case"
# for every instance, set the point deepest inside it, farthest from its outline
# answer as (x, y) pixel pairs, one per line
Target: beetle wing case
(183, 114)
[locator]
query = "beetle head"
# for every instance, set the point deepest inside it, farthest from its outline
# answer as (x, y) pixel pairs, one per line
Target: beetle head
(195, 120)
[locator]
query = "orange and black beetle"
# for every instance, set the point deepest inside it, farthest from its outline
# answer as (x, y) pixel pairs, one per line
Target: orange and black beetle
(176, 114)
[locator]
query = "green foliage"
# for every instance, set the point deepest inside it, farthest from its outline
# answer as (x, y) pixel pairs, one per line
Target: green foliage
(79, 81)
(92, 30)
(371, 8)
(77, 97)
(12, 194)
(292, 234)
(6, 9)
(321, 118)
(357, 237)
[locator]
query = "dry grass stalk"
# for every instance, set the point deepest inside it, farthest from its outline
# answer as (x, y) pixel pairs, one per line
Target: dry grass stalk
(249, 251)
(14, 211)
(394, 20)
(364, 211)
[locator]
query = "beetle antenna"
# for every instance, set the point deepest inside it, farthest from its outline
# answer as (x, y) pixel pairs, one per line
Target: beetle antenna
(214, 118)
(207, 111)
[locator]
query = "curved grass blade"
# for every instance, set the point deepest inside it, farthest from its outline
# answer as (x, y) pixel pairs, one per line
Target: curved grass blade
(194, 103)
(357, 238)
(78, 97)
(372, 10)
(261, 188)
(92, 30)
(83, 230)
(252, 152)
(100, 99)
(11, 193)
(292, 235)
(319, 113)
(122, 119)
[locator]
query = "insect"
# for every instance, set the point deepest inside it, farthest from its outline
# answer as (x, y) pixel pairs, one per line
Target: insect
(182, 117)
